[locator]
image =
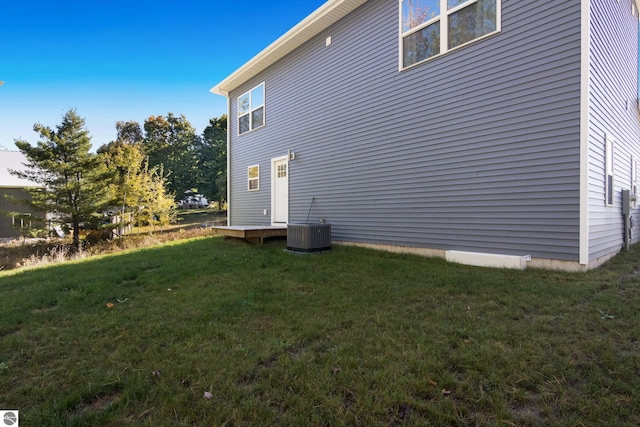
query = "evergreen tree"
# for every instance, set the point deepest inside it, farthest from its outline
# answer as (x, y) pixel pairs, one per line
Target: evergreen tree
(212, 160)
(71, 177)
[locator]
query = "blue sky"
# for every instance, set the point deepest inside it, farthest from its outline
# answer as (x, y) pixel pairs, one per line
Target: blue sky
(127, 60)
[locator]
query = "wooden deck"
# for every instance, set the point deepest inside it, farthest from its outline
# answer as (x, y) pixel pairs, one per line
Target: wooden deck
(252, 233)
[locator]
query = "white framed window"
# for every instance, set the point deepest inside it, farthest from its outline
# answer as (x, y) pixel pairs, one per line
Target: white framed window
(634, 178)
(21, 220)
(609, 171)
(429, 28)
(253, 176)
(251, 109)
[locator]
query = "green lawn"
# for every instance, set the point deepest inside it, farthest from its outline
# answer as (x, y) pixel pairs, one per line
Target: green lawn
(216, 332)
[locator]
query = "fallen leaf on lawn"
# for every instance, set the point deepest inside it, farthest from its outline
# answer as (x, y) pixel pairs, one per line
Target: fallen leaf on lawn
(446, 392)
(109, 305)
(335, 370)
(155, 373)
(606, 315)
(207, 395)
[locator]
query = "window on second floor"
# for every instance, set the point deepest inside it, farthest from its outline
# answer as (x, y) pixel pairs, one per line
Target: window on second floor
(433, 27)
(251, 109)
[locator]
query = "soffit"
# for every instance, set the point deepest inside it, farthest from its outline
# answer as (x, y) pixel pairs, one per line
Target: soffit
(314, 24)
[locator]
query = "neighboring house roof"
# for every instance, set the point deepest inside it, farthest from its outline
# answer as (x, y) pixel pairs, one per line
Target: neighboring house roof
(13, 160)
(312, 25)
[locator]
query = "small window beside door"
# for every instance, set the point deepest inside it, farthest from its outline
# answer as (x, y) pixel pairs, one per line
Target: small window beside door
(254, 177)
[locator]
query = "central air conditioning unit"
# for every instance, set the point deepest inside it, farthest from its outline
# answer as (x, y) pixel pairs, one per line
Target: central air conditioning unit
(309, 237)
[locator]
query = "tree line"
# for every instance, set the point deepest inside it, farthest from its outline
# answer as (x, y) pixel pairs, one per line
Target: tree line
(135, 179)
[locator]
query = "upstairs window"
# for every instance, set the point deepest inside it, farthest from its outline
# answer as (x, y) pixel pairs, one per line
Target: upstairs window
(432, 27)
(251, 109)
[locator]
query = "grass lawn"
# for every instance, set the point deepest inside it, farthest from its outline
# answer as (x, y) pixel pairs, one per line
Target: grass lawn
(217, 332)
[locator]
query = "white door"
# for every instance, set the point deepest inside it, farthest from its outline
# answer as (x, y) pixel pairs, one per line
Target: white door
(280, 190)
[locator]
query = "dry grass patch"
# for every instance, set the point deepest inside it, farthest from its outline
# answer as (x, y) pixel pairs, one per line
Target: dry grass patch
(26, 253)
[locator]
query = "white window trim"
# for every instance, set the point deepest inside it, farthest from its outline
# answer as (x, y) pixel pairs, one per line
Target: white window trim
(256, 179)
(609, 171)
(22, 217)
(251, 110)
(634, 178)
(444, 30)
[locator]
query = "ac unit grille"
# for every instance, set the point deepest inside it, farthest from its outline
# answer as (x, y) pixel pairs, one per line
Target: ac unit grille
(309, 237)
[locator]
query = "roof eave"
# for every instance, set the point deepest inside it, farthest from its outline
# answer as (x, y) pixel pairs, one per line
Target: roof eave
(312, 25)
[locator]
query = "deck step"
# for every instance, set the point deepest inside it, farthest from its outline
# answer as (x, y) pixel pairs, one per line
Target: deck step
(252, 233)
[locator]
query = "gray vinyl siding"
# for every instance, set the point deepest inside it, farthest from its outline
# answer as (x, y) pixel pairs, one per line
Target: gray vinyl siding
(613, 83)
(475, 150)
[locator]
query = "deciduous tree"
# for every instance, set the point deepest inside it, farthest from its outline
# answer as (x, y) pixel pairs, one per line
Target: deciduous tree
(129, 132)
(170, 141)
(137, 191)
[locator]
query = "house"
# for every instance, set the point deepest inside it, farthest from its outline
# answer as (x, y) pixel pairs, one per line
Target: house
(14, 187)
(483, 131)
